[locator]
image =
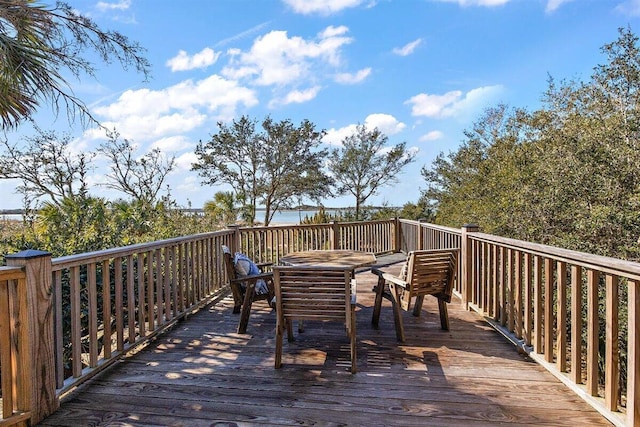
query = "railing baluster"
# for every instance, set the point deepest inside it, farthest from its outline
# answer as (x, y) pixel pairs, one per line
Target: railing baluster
(611, 372)
(510, 292)
(131, 301)
(593, 279)
(518, 294)
(150, 292)
(119, 307)
(76, 329)
(576, 324)
(58, 328)
(548, 310)
(537, 304)
(106, 309)
(92, 313)
(142, 319)
(528, 303)
(562, 316)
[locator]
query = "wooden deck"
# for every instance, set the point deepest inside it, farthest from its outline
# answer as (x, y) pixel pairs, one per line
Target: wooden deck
(202, 374)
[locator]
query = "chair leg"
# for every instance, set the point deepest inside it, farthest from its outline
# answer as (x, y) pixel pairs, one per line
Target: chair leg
(397, 315)
(246, 307)
(444, 315)
(352, 335)
(418, 307)
(290, 330)
(278, 358)
(378, 303)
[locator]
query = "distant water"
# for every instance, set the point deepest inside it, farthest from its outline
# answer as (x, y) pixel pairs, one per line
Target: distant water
(291, 216)
(280, 217)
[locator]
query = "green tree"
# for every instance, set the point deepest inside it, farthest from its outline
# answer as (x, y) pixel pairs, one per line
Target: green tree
(39, 44)
(363, 164)
(271, 168)
(75, 225)
(292, 167)
(139, 177)
(222, 209)
(46, 167)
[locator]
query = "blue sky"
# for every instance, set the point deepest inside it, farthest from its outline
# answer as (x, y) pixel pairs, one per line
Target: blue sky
(421, 71)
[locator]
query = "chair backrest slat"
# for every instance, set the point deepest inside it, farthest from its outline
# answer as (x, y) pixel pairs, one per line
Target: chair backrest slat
(431, 272)
(313, 292)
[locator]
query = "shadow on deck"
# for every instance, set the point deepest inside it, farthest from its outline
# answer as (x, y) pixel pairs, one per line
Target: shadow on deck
(202, 374)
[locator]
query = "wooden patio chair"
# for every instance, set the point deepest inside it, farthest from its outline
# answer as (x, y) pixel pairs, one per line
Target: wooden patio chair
(243, 288)
(314, 293)
(426, 272)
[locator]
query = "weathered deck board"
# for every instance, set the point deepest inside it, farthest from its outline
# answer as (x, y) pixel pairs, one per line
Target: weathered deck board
(202, 373)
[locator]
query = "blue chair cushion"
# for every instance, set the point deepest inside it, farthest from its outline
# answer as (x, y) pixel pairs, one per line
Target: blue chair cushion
(246, 267)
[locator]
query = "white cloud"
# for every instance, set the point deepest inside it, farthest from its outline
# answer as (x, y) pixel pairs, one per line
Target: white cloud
(452, 103)
(335, 136)
(432, 105)
(385, 123)
(121, 5)
(277, 59)
(487, 3)
(431, 136)
(183, 163)
(296, 97)
(322, 7)
(172, 144)
(407, 49)
(332, 31)
(553, 5)
(629, 7)
(147, 114)
(349, 78)
(183, 62)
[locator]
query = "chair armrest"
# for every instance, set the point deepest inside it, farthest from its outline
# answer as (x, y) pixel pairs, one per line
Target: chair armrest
(262, 265)
(389, 278)
(253, 277)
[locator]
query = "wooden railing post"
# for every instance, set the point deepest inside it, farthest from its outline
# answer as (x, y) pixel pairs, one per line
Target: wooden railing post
(34, 306)
(334, 235)
(420, 242)
(466, 259)
(397, 238)
(235, 241)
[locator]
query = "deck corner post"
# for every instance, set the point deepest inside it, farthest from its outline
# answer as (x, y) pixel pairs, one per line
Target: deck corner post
(466, 259)
(36, 370)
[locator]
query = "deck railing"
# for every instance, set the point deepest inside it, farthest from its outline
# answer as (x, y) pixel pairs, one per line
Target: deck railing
(85, 311)
(564, 308)
(268, 244)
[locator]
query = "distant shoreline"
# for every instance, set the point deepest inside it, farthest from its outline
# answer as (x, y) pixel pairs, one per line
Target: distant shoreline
(200, 210)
